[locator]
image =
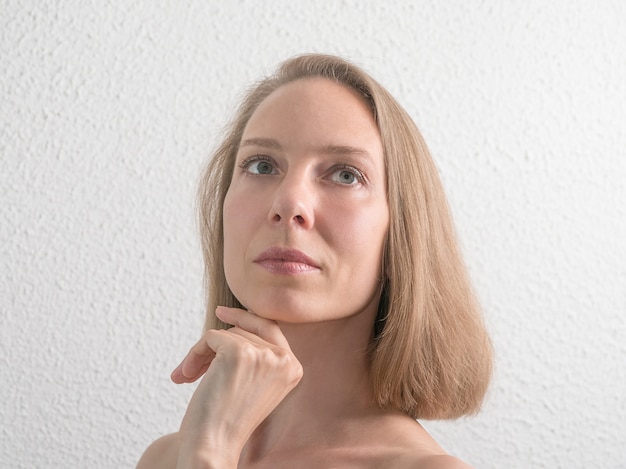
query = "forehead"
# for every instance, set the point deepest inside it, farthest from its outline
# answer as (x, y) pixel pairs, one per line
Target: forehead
(316, 109)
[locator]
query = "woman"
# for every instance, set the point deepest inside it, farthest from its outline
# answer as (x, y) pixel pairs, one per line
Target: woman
(339, 310)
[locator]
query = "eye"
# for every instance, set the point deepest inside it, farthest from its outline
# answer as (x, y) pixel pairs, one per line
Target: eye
(347, 175)
(258, 164)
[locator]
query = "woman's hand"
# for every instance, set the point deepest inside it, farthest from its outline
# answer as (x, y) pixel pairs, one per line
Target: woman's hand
(248, 370)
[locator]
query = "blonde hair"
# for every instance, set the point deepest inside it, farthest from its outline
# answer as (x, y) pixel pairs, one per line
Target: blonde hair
(430, 354)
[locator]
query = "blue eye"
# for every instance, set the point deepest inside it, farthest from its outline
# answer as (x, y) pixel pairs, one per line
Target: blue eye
(258, 165)
(347, 176)
(261, 167)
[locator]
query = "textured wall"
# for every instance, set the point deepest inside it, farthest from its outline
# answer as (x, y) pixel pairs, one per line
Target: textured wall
(108, 110)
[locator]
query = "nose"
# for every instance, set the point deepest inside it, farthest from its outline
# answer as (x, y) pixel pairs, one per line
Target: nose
(293, 203)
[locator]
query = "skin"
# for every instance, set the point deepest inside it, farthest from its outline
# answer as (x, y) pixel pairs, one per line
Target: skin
(288, 385)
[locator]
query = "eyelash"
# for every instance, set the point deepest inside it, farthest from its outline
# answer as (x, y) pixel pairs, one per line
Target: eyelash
(245, 164)
(360, 177)
(358, 174)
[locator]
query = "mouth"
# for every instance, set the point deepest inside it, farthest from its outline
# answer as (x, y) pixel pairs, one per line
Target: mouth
(286, 261)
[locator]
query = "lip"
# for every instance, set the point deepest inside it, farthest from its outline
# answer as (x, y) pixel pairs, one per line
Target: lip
(286, 261)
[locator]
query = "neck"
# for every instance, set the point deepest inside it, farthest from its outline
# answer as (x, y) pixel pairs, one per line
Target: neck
(335, 387)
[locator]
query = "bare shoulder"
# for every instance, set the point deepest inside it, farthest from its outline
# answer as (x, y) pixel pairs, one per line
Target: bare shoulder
(415, 448)
(161, 454)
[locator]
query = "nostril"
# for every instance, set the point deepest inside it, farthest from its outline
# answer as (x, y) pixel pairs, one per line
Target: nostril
(299, 219)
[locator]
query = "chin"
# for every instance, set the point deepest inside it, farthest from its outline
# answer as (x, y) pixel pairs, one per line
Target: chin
(284, 310)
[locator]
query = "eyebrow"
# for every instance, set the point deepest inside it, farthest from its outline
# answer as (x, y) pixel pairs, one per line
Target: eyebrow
(269, 143)
(338, 150)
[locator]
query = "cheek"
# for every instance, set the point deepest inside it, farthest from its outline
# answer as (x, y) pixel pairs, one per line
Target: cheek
(228, 210)
(241, 220)
(233, 235)
(361, 233)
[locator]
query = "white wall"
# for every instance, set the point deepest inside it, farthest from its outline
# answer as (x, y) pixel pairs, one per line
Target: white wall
(109, 108)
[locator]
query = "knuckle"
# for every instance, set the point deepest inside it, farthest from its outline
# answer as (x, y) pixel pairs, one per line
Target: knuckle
(284, 359)
(298, 371)
(289, 364)
(246, 352)
(209, 337)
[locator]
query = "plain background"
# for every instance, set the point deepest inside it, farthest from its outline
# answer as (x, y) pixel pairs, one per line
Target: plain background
(109, 109)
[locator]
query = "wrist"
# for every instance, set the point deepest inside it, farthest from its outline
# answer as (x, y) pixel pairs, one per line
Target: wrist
(201, 461)
(206, 455)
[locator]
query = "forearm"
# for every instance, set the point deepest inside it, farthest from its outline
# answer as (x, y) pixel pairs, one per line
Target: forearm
(205, 459)
(208, 449)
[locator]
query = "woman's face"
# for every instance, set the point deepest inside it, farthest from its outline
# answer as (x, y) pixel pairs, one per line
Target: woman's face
(305, 216)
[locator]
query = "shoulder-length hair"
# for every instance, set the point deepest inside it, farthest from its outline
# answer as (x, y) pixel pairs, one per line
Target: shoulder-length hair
(430, 355)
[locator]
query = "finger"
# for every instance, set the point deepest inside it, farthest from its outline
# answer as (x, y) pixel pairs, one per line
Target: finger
(201, 354)
(191, 368)
(264, 328)
(195, 363)
(250, 337)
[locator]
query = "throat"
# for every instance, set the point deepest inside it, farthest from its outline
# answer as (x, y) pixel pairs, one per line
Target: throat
(333, 395)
